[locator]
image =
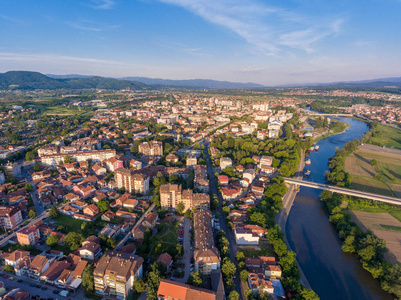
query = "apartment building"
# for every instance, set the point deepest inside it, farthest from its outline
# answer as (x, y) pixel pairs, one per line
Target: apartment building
(200, 181)
(116, 272)
(95, 156)
(10, 217)
(206, 255)
(131, 181)
(191, 161)
(28, 236)
(172, 194)
(153, 148)
(225, 162)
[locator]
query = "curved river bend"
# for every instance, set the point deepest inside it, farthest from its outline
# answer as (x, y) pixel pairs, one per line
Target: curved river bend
(332, 273)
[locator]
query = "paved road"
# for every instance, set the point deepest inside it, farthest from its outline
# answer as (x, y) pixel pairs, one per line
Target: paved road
(336, 189)
(186, 259)
(239, 287)
(34, 193)
(129, 234)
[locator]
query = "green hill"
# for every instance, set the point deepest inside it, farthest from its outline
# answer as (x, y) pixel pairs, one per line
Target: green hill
(26, 80)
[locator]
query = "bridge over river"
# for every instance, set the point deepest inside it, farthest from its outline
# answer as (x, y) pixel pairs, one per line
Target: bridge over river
(336, 189)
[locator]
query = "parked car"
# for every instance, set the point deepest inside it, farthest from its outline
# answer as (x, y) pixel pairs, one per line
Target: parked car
(5, 276)
(19, 280)
(44, 288)
(11, 278)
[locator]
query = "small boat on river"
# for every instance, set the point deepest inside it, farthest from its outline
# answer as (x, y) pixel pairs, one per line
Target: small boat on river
(306, 173)
(316, 148)
(308, 162)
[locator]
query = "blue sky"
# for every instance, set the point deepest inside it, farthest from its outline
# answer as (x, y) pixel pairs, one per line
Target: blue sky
(269, 42)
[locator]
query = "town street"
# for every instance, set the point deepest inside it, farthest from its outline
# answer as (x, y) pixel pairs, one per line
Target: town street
(187, 252)
(239, 286)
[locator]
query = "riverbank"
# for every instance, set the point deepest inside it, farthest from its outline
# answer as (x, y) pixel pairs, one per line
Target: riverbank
(326, 135)
(331, 273)
(281, 218)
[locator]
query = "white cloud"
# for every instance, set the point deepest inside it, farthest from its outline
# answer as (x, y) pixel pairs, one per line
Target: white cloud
(103, 4)
(90, 26)
(268, 28)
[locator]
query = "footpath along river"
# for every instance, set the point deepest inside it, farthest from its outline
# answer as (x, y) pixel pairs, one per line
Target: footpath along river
(332, 274)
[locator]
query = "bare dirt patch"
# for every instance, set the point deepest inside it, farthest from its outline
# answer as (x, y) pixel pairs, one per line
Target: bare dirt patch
(372, 221)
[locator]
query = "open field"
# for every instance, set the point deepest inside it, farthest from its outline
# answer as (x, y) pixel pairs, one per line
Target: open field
(261, 250)
(62, 111)
(383, 178)
(388, 136)
(382, 225)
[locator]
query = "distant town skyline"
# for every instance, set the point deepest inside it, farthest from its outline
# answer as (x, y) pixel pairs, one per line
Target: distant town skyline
(271, 43)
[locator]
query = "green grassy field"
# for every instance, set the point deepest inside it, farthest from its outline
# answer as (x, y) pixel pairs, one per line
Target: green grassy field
(374, 207)
(384, 178)
(391, 228)
(388, 136)
(60, 110)
(250, 251)
(70, 224)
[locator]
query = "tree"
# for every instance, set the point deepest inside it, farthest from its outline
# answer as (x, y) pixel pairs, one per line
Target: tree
(226, 210)
(69, 159)
(28, 187)
(53, 212)
(244, 275)
(195, 279)
(36, 166)
(180, 208)
(32, 214)
(112, 243)
(258, 218)
(29, 156)
(88, 278)
(153, 283)
(74, 240)
(103, 205)
(233, 296)
(52, 240)
(139, 285)
(373, 162)
(239, 256)
(228, 269)
(9, 269)
(309, 294)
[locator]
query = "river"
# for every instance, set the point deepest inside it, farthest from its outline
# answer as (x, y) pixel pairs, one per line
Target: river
(332, 274)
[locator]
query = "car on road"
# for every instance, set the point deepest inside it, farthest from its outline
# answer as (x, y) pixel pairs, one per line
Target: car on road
(38, 286)
(20, 280)
(5, 276)
(44, 288)
(56, 292)
(32, 285)
(11, 278)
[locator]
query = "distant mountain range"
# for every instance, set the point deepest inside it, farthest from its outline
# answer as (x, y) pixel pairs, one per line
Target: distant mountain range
(188, 83)
(27, 80)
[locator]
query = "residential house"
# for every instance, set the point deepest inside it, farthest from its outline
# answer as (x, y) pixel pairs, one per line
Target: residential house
(150, 220)
(14, 258)
(91, 210)
(169, 290)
